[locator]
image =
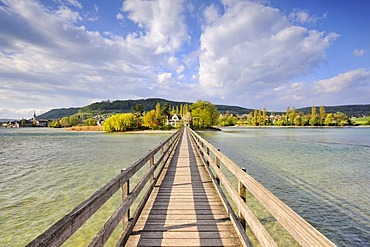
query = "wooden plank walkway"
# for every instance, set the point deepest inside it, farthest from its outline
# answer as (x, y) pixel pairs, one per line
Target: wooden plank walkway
(184, 208)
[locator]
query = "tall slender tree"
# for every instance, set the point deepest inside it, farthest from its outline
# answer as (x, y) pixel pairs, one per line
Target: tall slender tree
(322, 115)
(313, 116)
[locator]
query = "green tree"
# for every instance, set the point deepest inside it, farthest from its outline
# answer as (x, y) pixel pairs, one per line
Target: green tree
(264, 116)
(64, 122)
(150, 119)
(89, 122)
(54, 124)
(329, 120)
(74, 120)
(204, 113)
(322, 115)
(138, 110)
(120, 122)
(293, 115)
(287, 121)
(313, 116)
(165, 112)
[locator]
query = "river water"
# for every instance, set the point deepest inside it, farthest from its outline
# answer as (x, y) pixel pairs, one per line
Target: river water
(45, 173)
(323, 174)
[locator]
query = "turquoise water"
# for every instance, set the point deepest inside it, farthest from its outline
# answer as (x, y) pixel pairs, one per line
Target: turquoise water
(321, 173)
(45, 173)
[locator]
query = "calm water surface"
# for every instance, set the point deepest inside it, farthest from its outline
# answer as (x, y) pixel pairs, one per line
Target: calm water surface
(321, 173)
(45, 173)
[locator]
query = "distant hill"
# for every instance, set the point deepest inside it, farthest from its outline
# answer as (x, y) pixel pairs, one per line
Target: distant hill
(349, 110)
(59, 113)
(122, 106)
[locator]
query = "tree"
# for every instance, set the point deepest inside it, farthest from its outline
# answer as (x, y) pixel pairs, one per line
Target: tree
(64, 122)
(89, 122)
(165, 112)
(74, 120)
(54, 124)
(138, 110)
(120, 122)
(288, 120)
(264, 116)
(313, 116)
(293, 115)
(150, 119)
(322, 115)
(204, 113)
(329, 120)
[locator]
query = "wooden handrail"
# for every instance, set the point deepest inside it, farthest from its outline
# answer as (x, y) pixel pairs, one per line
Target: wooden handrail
(57, 234)
(304, 233)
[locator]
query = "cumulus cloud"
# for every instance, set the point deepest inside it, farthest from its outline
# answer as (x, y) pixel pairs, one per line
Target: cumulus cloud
(359, 52)
(51, 55)
(164, 77)
(252, 48)
(162, 22)
(359, 78)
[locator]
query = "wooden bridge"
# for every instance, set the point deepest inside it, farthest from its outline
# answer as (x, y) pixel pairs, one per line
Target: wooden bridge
(185, 199)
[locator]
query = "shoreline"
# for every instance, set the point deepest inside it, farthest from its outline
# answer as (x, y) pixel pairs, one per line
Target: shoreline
(100, 129)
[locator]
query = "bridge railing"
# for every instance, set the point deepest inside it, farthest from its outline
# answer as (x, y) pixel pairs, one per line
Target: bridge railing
(304, 233)
(57, 234)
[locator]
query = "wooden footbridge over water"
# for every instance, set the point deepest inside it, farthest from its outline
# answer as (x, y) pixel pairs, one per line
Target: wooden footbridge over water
(185, 199)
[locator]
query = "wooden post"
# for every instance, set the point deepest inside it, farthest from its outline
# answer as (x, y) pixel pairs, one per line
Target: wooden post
(125, 192)
(152, 164)
(207, 151)
(218, 164)
(242, 190)
(162, 152)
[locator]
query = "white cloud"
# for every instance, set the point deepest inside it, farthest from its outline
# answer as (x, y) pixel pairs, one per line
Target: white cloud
(252, 48)
(164, 77)
(120, 16)
(359, 52)
(354, 79)
(162, 21)
(211, 14)
(303, 17)
(75, 3)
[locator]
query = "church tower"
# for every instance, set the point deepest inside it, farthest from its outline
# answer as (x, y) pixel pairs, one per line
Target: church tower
(34, 116)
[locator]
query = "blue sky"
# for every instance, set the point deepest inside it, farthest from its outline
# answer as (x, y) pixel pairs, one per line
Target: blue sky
(255, 54)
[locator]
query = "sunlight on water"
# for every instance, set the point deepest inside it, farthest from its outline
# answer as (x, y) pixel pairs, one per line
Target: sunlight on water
(322, 174)
(45, 173)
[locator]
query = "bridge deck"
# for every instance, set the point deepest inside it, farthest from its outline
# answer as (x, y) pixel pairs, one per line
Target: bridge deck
(184, 209)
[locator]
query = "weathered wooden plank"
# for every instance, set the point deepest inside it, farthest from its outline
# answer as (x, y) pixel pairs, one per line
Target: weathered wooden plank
(137, 241)
(186, 205)
(185, 235)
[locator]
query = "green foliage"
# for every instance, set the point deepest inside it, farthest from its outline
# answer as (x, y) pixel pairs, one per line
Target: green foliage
(120, 122)
(227, 121)
(150, 120)
(313, 116)
(74, 120)
(64, 122)
(89, 122)
(204, 114)
(59, 113)
(54, 124)
(138, 110)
